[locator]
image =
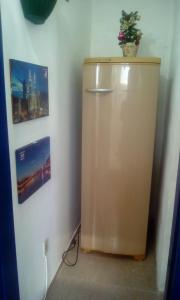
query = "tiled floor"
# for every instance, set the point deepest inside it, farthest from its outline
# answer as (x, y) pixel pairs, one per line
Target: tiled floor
(102, 277)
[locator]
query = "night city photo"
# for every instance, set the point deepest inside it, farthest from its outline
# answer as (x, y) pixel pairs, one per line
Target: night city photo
(29, 91)
(33, 167)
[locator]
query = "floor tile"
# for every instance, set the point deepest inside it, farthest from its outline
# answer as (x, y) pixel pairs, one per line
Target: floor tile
(104, 277)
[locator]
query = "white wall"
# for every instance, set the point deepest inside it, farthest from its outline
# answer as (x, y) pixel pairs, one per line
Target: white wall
(61, 43)
(53, 212)
(171, 160)
(155, 24)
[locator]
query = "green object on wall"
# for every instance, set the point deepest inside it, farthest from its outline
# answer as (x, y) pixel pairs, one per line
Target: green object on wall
(37, 11)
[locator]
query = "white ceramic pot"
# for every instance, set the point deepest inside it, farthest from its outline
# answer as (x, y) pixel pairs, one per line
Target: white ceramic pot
(129, 49)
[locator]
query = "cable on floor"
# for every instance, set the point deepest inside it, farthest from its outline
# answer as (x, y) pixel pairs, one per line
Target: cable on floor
(75, 243)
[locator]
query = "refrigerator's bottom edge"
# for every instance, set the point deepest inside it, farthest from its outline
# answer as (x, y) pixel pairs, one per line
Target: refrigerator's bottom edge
(137, 257)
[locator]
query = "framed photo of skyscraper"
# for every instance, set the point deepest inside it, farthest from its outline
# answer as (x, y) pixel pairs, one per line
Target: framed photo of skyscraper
(29, 91)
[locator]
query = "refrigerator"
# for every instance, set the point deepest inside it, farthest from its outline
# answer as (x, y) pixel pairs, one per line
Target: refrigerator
(118, 133)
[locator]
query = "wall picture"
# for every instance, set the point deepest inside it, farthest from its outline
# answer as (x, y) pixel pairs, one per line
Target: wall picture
(33, 167)
(29, 91)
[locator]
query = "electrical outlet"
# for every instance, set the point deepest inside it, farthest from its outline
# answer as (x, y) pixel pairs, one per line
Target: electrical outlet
(45, 247)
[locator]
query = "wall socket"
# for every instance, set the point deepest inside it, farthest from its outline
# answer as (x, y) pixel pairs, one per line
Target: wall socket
(45, 247)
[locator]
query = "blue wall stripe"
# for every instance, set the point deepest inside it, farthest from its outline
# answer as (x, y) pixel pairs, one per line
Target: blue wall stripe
(9, 289)
(173, 274)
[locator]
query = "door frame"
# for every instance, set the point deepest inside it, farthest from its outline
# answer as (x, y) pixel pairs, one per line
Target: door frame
(9, 288)
(172, 290)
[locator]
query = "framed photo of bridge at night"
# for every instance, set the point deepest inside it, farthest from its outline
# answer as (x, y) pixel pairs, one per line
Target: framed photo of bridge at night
(33, 167)
(29, 91)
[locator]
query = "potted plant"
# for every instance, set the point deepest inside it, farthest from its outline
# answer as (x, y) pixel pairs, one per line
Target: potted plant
(129, 36)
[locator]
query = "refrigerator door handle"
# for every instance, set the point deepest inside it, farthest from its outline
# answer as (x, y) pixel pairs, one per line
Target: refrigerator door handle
(99, 90)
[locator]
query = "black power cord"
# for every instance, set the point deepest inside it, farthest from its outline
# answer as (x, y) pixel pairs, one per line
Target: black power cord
(75, 243)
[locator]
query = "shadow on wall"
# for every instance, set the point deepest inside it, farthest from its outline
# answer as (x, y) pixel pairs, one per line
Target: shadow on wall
(160, 148)
(146, 46)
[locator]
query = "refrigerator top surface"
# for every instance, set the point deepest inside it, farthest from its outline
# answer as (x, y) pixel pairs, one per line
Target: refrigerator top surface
(122, 60)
